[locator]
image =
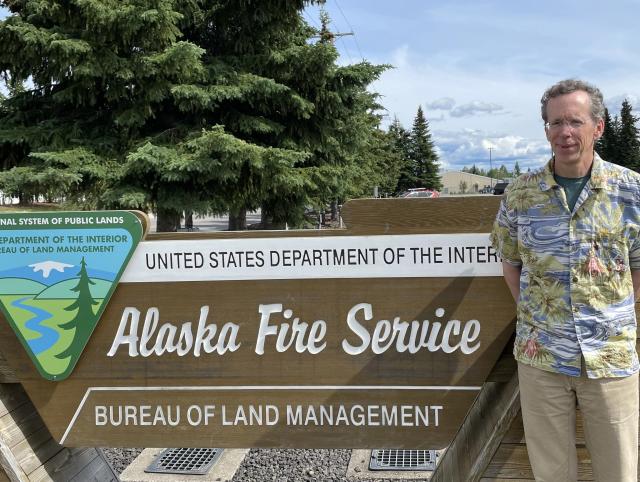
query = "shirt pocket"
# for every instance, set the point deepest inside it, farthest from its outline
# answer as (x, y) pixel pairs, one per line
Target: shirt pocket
(607, 265)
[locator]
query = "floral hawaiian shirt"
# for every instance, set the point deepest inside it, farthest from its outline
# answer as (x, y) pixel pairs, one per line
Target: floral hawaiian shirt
(576, 293)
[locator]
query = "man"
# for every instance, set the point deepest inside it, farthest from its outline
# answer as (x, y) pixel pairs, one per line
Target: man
(569, 238)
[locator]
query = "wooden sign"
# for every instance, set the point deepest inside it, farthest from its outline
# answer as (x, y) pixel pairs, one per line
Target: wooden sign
(380, 335)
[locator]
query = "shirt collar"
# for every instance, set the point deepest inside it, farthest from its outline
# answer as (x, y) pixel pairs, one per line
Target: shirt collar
(598, 178)
(598, 173)
(547, 182)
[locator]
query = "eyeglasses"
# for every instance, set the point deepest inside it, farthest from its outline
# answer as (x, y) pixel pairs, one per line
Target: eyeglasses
(556, 125)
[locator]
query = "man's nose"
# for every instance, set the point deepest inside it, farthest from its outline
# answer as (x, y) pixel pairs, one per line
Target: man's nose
(565, 129)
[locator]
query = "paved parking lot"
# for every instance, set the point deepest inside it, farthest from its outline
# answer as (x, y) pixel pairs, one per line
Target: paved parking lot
(212, 223)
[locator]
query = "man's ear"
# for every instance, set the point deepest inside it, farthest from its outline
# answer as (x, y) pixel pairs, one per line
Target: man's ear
(599, 130)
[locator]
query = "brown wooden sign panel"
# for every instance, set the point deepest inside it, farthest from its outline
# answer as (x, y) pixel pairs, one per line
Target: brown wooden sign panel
(380, 335)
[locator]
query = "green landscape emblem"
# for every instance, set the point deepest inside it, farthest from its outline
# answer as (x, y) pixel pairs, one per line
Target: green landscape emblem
(58, 271)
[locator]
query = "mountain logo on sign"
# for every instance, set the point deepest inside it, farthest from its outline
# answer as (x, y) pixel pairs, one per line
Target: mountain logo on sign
(54, 301)
(47, 266)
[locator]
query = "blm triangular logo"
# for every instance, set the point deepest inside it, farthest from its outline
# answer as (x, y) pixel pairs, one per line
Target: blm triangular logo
(58, 271)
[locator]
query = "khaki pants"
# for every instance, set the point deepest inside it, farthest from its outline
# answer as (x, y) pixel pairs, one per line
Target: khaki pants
(609, 409)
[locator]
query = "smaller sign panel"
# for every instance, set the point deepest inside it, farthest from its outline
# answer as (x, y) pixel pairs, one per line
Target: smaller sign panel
(57, 274)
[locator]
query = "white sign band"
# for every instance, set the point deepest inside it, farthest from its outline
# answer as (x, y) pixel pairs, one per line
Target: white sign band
(399, 256)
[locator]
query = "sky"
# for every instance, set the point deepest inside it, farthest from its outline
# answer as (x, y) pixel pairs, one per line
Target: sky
(479, 67)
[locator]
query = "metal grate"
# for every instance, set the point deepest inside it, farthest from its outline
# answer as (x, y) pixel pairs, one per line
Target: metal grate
(395, 459)
(184, 461)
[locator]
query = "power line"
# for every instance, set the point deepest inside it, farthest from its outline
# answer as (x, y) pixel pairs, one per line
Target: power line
(313, 21)
(350, 28)
(344, 45)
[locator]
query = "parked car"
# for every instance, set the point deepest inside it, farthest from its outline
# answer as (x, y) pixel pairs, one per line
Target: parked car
(499, 188)
(420, 192)
(8, 200)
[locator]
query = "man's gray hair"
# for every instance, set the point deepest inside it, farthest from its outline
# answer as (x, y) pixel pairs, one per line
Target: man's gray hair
(572, 85)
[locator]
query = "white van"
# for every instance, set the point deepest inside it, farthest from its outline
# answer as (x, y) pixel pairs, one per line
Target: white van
(7, 200)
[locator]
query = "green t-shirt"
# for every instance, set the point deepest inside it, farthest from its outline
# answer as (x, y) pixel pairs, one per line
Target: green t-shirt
(572, 187)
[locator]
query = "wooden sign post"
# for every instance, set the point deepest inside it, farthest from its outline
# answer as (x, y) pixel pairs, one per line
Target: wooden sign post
(380, 335)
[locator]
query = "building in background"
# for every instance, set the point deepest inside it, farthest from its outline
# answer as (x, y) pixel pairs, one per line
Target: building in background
(458, 182)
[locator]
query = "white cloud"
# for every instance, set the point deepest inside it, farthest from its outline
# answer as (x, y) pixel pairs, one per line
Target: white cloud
(614, 103)
(444, 103)
(516, 99)
(476, 107)
(440, 118)
(467, 147)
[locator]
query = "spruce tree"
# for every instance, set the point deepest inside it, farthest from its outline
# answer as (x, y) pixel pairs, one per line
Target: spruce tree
(83, 320)
(516, 170)
(401, 140)
(628, 145)
(607, 145)
(200, 106)
(379, 167)
(88, 77)
(423, 154)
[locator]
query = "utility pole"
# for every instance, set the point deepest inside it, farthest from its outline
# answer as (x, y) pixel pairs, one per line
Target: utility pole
(326, 35)
(490, 166)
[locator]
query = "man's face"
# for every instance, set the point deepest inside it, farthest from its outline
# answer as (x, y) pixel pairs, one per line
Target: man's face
(572, 132)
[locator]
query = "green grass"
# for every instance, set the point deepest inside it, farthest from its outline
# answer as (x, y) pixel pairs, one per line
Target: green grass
(47, 359)
(27, 208)
(9, 286)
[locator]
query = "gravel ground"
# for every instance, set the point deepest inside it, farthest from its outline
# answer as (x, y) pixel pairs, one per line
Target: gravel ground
(272, 465)
(120, 458)
(289, 465)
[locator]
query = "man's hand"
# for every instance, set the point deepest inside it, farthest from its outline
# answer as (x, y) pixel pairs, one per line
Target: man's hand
(512, 278)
